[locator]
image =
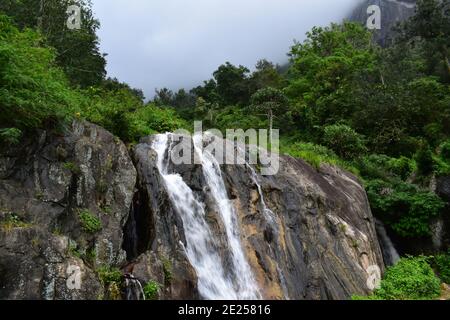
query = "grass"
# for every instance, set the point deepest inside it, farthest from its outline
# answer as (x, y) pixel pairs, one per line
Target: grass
(89, 222)
(315, 155)
(13, 221)
(151, 290)
(72, 167)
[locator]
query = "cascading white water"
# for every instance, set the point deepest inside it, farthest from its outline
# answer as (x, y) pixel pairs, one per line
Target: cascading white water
(201, 248)
(390, 254)
(244, 280)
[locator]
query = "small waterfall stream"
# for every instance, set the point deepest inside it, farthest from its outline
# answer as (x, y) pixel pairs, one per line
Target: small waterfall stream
(390, 254)
(133, 288)
(214, 281)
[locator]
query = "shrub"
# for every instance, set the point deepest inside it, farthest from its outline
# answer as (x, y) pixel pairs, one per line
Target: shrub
(445, 150)
(151, 290)
(402, 167)
(424, 159)
(315, 155)
(109, 275)
(404, 207)
(89, 222)
(442, 263)
(411, 278)
(376, 166)
(167, 268)
(33, 92)
(345, 141)
(12, 221)
(10, 136)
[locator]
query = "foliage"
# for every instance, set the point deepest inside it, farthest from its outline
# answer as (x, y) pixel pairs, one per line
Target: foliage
(442, 263)
(377, 166)
(404, 207)
(314, 154)
(344, 141)
(33, 93)
(12, 221)
(123, 113)
(89, 222)
(72, 167)
(151, 290)
(424, 159)
(77, 51)
(410, 279)
(108, 275)
(10, 136)
(167, 268)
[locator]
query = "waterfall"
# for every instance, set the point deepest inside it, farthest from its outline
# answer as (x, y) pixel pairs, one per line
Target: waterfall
(270, 217)
(201, 247)
(390, 254)
(133, 288)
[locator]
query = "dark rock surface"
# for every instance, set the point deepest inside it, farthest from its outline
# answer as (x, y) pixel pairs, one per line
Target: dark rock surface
(392, 12)
(45, 183)
(320, 245)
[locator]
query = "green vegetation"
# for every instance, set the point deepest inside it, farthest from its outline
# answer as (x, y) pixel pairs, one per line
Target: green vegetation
(167, 269)
(410, 279)
(12, 221)
(406, 209)
(89, 222)
(109, 275)
(72, 167)
(442, 263)
(111, 278)
(151, 290)
(382, 113)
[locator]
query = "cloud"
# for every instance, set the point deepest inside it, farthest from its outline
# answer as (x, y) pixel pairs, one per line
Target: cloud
(179, 43)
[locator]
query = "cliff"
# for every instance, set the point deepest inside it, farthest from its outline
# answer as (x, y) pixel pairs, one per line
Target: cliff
(74, 203)
(392, 12)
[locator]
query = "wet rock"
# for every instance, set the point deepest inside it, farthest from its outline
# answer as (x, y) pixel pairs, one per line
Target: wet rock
(320, 244)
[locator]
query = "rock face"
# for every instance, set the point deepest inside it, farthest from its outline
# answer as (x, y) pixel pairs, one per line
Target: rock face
(392, 12)
(64, 200)
(72, 203)
(441, 228)
(306, 233)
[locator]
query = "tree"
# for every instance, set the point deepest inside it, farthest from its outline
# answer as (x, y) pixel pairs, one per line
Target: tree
(345, 141)
(232, 84)
(113, 84)
(431, 23)
(78, 51)
(265, 75)
(271, 101)
(327, 68)
(163, 97)
(34, 92)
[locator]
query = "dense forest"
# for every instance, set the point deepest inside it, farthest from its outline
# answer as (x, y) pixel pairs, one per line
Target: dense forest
(382, 113)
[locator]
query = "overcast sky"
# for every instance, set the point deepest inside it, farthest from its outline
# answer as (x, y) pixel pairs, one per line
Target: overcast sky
(179, 43)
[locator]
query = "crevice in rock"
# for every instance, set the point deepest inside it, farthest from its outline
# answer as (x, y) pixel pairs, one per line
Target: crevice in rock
(138, 231)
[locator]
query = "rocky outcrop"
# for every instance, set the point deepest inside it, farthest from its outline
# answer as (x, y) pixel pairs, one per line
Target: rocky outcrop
(64, 199)
(320, 244)
(72, 204)
(392, 12)
(441, 227)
